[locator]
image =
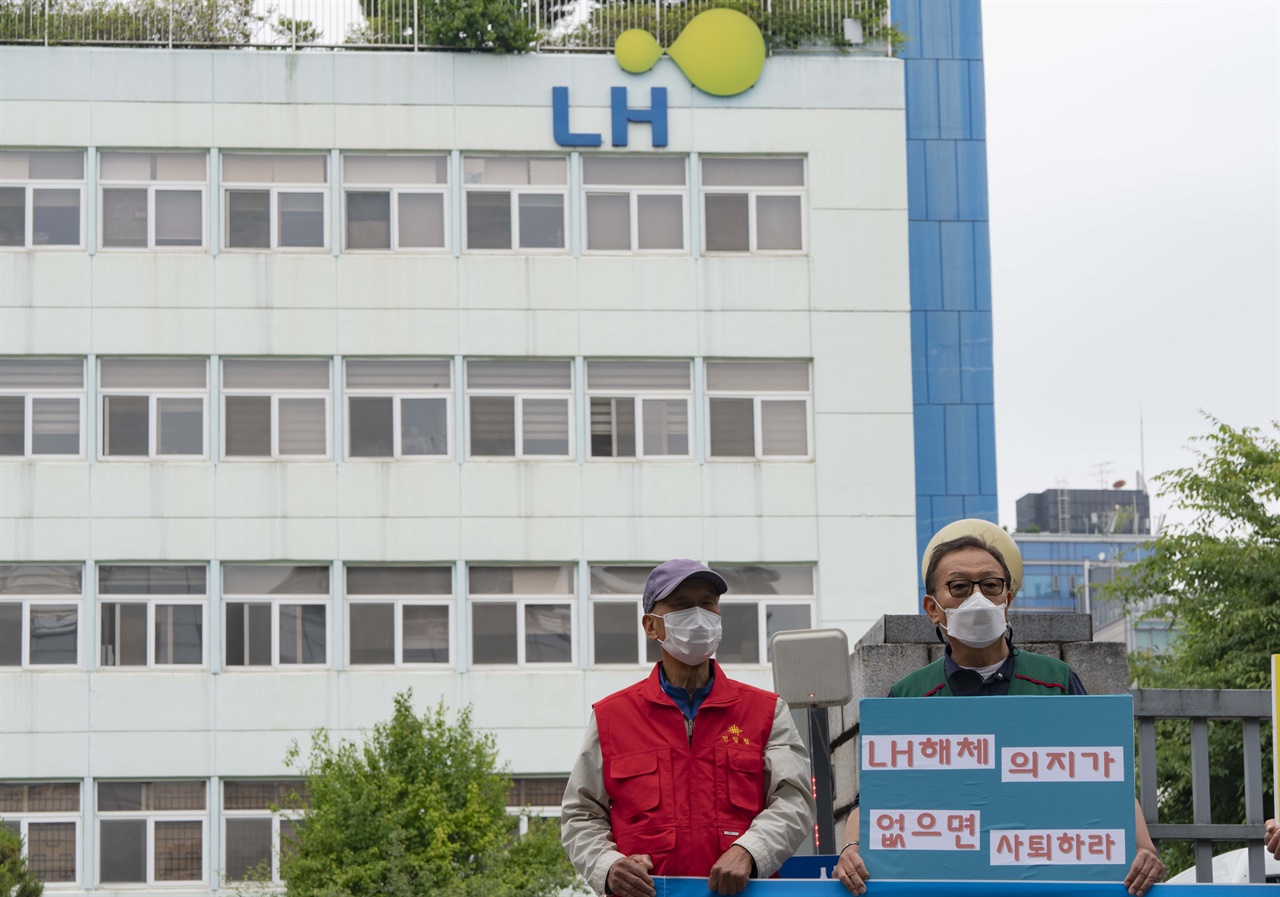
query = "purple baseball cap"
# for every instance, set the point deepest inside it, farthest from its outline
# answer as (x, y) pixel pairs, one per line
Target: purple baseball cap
(666, 577)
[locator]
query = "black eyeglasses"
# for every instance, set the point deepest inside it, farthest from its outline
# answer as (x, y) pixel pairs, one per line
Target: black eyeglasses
(963, 588)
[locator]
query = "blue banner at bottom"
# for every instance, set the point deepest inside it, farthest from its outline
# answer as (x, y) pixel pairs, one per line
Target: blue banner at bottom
(697, 887)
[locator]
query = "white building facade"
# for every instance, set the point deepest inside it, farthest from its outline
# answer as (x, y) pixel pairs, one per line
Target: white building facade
(328, 375)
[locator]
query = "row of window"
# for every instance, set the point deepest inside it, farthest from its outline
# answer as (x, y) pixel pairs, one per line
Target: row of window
(279, 616)
(403, 203)
(403, 409)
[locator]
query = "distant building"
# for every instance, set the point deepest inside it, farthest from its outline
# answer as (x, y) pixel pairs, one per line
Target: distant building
(1064, 573)
(1086, 511)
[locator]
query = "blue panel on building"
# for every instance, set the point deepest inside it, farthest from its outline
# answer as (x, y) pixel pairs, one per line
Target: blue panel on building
(936, 30)
(922, 98)
(963, 474)
(981, 266)
(968, 29)
(917, 208)
(931, 449)
(925, 242)
(942, 194)
(971, 176)
(946, 508)
(978, 100)
(942, 335)
(919, 362)
(982, 506)
(924, 522)
(987, 449)
(957, 265)
(975, 358)
(953, 99)
(905, 15)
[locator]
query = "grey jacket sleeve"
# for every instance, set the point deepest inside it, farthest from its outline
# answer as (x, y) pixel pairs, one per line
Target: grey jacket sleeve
(787, 818)
(585, 829)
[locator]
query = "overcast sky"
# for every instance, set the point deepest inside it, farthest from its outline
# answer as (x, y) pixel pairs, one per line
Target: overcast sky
(1133, 150)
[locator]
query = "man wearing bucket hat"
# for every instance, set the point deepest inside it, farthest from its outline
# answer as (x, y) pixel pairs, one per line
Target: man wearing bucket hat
(686, 772)
(972, 570)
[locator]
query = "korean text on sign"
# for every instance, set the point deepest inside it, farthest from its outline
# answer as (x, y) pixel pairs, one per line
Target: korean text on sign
(928, 752)
(1062, 764)
(925, 830)
(1057, 847)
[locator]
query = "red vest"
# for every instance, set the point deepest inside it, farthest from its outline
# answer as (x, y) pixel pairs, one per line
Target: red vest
(684, 803)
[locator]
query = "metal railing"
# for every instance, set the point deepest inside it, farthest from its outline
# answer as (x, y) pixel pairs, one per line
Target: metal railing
(1199, 706)
(545, 25)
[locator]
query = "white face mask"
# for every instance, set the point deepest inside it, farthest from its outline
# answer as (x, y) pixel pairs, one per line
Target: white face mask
(976, 622)
(692, 635)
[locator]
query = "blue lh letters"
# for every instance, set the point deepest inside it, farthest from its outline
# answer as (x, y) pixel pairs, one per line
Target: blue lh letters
(655, 116)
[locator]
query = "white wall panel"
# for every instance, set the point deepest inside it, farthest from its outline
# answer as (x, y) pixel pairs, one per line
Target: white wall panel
(397, 281)
(877, 476)
(397, 331)
(275, 280)
(641, 489)
(43, 331)
(37, 123)
(153, 280)
(41, 489)
(660, 283)
(44, 539)
(142, 489)
(862, 362)
(399, 539)
(274, 331)
(857, 259)
(178, 125)
(274, 538)
(152, 538)
(45, 279)
(642, 539)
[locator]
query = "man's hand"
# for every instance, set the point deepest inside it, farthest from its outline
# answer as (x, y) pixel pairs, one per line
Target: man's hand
(850, 871)
(732, 871)
(1273, 838)
(1145, 871)
(629, 877)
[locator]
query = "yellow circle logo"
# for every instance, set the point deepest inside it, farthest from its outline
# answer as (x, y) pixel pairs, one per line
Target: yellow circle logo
(720, 51)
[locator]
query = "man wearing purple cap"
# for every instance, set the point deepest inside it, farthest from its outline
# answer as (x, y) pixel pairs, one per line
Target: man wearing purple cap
(686, 772)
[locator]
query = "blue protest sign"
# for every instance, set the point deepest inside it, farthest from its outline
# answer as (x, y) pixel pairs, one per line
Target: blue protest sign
(697, 887)
(1024, 788)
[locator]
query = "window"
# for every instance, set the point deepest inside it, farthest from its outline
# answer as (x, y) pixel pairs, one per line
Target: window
(275, 201)
(46, 815)
(515, 202)
(520, 409)
(539, 797)
(153, 200)
(153, 407)
(521, 615)
(634, 204)
(151, 616)
(41, 199)
(399, 615)
(277, 615)
(41, 407)
(255, 834)
(758, 409)
(753, 205)
(275, 408)
(639, 409)
(396, 202)
(617, 635)
(761, 601)
(151, 832)
(399, 409)
(39, 614)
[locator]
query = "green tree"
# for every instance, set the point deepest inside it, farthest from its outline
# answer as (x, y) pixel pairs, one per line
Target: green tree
(498, 26)
(1220, 573)
(146, 22)
(16, 880)
(418, 808)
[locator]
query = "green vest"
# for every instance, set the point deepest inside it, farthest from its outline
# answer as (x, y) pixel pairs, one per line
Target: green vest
(1033, 674)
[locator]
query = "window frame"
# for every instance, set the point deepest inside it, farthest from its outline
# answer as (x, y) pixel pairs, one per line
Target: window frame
(399, 603)
(759, 397)
(753, 194)
(25, 818)
(394, 192)
(642, 641)
(274, 190)
(639, 396)
(151, 817)
(283, 814)
(397, 395)
(48, 599)
(152, 187)
(633, 193)
(514, 192)
(29, 395)
(520, 396)
(151, 601)
(30, 185)
(306, 599)
(275, 394)
(762, 603)
(153, 395)
(520, 600)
